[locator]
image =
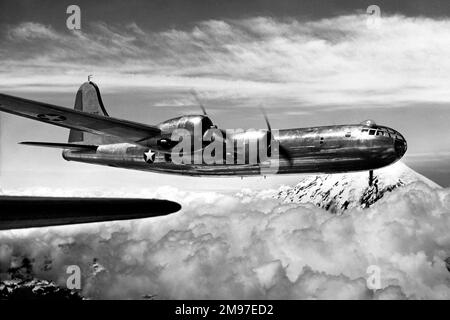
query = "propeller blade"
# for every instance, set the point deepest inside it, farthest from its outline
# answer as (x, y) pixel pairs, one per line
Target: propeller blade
(226, 138)
(266, 118)
(285, 154)
(197, 98)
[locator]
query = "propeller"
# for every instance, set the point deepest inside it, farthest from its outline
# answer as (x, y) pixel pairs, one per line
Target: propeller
(200, 104)
(282, 150)
(266, 118)
(224, 136)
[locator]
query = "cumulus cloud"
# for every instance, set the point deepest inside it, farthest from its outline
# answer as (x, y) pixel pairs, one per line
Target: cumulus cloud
(32, 31)
(336, 62)
(249, 245)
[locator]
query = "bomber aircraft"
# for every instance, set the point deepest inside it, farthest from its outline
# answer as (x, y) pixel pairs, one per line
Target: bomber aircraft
(193, 145)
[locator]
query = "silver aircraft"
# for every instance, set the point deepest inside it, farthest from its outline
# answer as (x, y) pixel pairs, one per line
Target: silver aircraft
(97, 138)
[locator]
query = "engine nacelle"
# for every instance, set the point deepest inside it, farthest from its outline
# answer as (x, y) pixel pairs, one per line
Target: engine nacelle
(185, 122)
(194, 125)
(253, 145)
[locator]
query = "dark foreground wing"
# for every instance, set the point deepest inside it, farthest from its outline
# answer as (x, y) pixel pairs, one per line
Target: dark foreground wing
(27, 212)
(74, 119)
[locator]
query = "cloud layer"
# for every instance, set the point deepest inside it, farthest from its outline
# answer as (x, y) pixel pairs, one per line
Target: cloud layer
(248, 245)
(336, 61)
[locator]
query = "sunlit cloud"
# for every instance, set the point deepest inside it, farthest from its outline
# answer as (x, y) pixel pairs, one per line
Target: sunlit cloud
(330, 62)
(248, 245)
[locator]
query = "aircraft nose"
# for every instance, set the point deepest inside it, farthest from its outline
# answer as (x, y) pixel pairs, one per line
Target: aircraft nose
(400, 147)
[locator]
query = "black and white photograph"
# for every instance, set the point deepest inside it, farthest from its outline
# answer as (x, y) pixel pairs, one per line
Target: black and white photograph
(212, 150)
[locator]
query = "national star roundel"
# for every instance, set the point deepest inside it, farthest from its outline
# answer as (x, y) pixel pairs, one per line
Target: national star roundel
(149, 156)
(51, 117)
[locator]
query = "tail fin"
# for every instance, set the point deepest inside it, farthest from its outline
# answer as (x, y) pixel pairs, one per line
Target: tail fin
(89, 100)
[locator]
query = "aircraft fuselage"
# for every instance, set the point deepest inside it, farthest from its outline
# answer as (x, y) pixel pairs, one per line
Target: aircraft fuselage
(325, 149)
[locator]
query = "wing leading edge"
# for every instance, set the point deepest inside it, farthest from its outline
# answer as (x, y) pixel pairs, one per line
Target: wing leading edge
(28, 212)
(71, 146)
(73, 119)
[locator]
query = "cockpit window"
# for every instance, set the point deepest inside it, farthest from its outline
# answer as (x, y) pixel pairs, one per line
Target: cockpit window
(384, 131)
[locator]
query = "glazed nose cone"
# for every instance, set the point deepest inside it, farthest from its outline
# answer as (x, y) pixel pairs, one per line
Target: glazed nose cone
(400, 148)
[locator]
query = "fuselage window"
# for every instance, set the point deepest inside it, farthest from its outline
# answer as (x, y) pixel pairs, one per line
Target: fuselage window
(321, 140)
(380, 133)
(364, 130)
(348, 134)
(372, 132)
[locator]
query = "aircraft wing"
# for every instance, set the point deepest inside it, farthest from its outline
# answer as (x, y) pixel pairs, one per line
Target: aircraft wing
(28, 212)
(73, 119)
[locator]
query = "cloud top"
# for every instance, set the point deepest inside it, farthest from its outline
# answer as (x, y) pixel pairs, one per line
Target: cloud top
(250, 246)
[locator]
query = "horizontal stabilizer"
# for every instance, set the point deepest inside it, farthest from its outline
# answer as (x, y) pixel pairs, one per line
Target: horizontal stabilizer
(72, 146)
(28, 212)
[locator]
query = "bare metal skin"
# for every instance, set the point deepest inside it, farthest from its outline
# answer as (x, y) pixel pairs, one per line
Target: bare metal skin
(97, 138)
(329, 149)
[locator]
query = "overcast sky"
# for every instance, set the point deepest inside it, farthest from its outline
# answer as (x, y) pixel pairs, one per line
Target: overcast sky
(308, 62)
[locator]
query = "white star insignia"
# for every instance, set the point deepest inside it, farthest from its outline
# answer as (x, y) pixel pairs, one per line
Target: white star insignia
(149, 156)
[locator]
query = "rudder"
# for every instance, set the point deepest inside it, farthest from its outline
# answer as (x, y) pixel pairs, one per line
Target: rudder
(89, 100)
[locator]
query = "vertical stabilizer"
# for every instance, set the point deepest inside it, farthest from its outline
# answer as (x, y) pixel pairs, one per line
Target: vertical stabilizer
(89, 100)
